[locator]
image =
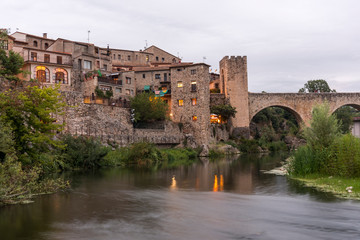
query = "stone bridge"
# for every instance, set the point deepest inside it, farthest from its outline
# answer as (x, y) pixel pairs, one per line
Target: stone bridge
(234, 86)
(301, 104)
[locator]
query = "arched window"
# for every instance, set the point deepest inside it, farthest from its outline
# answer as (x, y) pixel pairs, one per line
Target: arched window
(42, 74)
(61, 76)
(35, 43)
(46, 45)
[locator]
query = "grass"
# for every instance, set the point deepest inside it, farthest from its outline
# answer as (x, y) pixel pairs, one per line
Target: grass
(334, 185)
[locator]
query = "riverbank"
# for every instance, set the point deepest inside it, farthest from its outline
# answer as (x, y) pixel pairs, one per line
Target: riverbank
(345, 188)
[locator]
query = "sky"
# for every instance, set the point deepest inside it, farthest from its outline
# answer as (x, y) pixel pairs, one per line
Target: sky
(287, 42)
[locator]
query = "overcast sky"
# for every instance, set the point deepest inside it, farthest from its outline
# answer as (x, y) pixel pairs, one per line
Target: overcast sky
(287, 42)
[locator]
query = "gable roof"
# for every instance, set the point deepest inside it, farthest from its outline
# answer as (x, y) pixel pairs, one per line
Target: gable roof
(153, 46)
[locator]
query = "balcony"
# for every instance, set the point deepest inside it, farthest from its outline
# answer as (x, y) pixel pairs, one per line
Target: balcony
(110, 80)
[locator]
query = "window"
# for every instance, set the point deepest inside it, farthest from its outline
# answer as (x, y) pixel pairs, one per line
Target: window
(127, 91)
(157, 59)
(119, 57)
(35, 44)
(165, 77)
(179, 84)
(179, 69)
(163, 59)
(193, 71)
(193, 101)
(143, 75)
(105, 67)
(46, 45)
(118, 90)
(180, 102)
(98, 64)
(47, 58)
(136, 57)
(157, 76)
(105, 88)
(4, 44)
(61, 76)
(193, 86)
(194, 118)
(129, 57)
(216, 85)
(114, 56)
(42, 74)
(147, 58)
(34, 56)
(59, 60)
(87, 64)
(132, 92)
(128, 80)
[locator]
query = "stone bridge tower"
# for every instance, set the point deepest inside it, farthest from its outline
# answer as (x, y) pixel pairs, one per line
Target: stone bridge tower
(234, 84)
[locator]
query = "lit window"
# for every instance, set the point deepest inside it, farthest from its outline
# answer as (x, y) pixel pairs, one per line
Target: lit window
(33, 56)
(42, 74)
(180, 84)
(147, 58)
(193, 101)
(194, 118)
(87, 64)
(181, 102)
(61, 76)
(127, 91)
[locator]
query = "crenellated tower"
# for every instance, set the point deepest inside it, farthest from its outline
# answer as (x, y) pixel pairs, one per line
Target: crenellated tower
(234, 84)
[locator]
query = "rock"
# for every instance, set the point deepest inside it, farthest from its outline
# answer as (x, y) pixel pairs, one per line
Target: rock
(228, 149)
(205, 151)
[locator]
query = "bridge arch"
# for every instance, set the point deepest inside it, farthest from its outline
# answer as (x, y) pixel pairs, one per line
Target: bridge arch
(338, 106)
(297, 116)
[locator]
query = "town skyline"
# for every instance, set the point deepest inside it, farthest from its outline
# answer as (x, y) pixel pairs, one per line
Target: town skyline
(286, 44)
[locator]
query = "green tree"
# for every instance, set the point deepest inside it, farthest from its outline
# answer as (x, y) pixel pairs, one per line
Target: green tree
(324, 128)
(319, 85)
(30, 113)
(224, 110)
(345, 115)
(10, 65)
(148, 107)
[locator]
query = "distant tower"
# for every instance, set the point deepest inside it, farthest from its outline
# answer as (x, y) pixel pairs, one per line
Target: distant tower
(234, 84)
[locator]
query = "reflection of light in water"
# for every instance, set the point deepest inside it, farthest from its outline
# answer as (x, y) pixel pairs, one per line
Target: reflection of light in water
(173, 183)
(221, 183)
(216, 187)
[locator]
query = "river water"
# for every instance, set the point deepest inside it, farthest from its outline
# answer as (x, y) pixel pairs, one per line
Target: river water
(226, 199)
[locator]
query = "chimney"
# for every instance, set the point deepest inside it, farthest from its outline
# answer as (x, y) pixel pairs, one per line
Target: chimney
(44, 35)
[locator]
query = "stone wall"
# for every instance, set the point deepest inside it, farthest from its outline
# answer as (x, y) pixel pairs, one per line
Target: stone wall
(112, 124)
(218, 99)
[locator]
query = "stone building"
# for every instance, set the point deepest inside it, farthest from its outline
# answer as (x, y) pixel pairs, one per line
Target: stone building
(47, 66)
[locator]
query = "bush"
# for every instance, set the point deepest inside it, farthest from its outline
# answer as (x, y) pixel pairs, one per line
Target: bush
(249, 146)
(277, 146)
(83, 152)
(148, 107)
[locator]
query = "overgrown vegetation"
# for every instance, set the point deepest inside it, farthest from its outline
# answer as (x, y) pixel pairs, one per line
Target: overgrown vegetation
(148, 107)
(327, 152)
(224, 110)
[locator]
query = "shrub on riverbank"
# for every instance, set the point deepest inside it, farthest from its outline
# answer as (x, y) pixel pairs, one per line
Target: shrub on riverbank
(326, 152)
(144, 154)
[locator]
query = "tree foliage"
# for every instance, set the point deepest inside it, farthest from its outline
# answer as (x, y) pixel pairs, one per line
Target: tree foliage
(324, 128)
(31, 112)
(10, 65)
(345, 115)
(319, 85)
(224, 110)
(148, 107)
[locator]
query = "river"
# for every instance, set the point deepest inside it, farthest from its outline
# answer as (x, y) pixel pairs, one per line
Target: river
(225, 199)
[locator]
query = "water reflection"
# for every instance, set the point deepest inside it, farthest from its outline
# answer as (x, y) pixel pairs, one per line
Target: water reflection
(224, 199)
